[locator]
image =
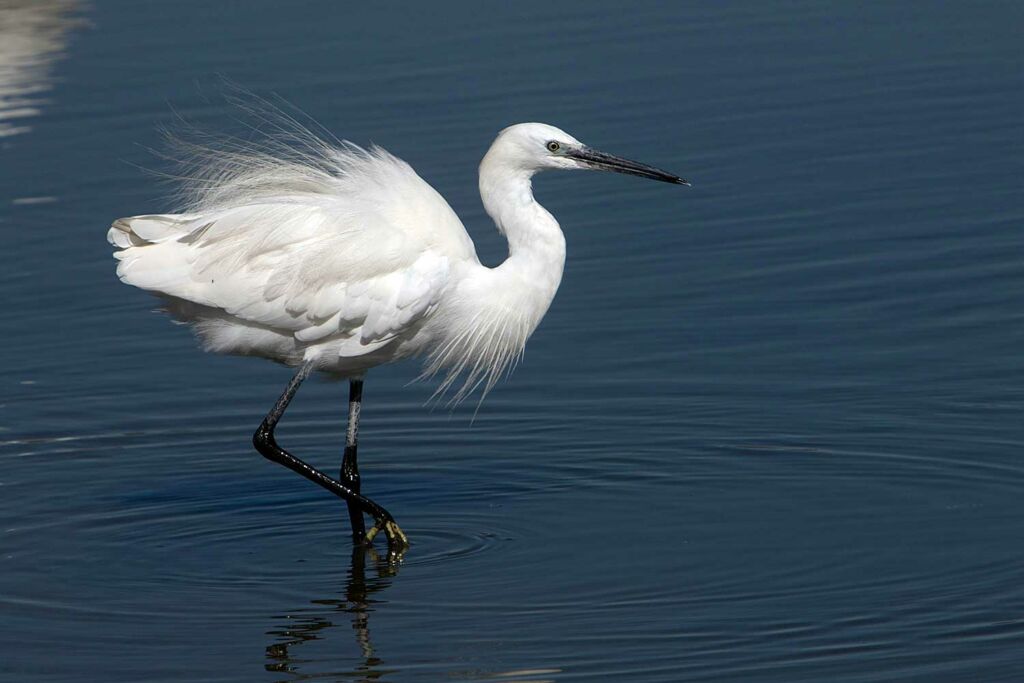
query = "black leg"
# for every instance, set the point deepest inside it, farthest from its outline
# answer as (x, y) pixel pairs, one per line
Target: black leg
(349, 467)
(265, 443)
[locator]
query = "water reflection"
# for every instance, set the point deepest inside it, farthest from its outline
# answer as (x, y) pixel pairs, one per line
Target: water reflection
(308, 624)
(33, 34)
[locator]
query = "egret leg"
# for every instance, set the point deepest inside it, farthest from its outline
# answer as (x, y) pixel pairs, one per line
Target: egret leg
(349, 467)
(265, 443)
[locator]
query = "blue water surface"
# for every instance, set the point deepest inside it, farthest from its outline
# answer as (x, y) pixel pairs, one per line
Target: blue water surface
(770, 429)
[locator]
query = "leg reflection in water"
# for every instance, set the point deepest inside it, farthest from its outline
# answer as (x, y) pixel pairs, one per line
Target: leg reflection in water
(309, 624)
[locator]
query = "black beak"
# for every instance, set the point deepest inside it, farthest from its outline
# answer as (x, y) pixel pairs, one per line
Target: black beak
(599, 161)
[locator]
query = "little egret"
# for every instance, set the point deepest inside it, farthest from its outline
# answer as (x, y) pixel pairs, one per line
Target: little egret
(326, 256)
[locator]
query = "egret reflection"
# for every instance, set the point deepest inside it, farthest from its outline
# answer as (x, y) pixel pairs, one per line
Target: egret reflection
(309, 624)
(33, 35)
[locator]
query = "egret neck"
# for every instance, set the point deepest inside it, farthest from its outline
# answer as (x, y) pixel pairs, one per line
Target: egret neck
(536, 245)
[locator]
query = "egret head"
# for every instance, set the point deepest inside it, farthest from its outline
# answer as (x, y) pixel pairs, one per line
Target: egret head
(533, 147)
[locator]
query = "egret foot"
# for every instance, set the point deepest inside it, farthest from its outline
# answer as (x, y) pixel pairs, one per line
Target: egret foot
(397, 540)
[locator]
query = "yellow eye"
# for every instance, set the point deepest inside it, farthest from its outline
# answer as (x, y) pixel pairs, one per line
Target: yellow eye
(553, 146)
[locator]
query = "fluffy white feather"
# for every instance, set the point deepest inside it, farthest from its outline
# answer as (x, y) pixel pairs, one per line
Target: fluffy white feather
(295, 248)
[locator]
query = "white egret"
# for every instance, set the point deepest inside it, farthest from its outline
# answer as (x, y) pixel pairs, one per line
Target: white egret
(327, 256)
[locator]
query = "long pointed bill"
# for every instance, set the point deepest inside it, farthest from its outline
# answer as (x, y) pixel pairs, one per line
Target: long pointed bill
(599, 161)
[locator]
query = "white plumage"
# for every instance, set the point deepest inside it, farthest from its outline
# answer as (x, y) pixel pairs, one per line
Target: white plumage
(297, 249)
(338, 258)
(296, 262)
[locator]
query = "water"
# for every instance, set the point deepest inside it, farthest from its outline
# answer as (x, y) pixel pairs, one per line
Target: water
(770, 430)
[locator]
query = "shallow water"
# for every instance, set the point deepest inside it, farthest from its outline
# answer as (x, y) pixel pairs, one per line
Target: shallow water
(770, 430)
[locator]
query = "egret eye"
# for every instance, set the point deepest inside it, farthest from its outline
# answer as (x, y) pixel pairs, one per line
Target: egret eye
(553, 146)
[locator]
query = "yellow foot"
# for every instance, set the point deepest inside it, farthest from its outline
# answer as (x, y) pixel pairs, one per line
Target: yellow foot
(396, 537)
(395, 534)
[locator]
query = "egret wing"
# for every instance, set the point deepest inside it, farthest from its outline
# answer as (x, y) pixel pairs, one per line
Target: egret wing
(360, 251)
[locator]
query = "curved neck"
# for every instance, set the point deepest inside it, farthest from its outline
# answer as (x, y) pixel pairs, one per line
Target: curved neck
(501, 307)
(536, 245)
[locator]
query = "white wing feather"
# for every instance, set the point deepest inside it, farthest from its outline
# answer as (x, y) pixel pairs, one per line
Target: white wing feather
(330, 242)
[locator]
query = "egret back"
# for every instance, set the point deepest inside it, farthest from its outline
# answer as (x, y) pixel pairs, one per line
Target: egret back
(330, 243)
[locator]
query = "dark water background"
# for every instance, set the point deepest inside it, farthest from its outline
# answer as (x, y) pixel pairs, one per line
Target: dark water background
(770, 430)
